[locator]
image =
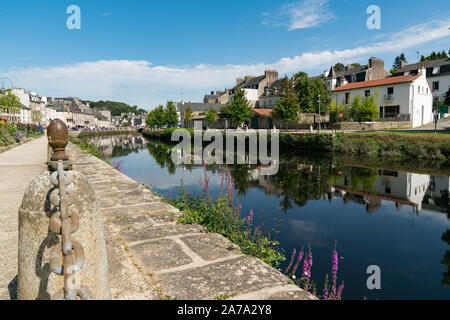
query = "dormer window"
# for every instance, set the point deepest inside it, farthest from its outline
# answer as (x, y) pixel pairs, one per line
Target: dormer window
(436, 70)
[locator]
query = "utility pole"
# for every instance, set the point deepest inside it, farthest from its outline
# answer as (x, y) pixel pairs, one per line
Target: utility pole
(319, 113)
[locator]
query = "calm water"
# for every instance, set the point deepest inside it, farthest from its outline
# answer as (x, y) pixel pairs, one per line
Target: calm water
(397, 220)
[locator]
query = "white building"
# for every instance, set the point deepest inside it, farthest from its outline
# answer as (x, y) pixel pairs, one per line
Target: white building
(437, 71)
(400, 98)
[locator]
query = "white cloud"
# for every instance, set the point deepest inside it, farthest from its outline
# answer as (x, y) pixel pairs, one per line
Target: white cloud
(302, 14)
(146, 85)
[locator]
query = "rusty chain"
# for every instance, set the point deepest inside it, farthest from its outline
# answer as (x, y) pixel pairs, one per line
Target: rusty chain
(65, 223)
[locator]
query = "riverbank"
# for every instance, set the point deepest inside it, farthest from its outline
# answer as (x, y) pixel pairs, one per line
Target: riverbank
(100, 133)
(384, 145)
(161, 259)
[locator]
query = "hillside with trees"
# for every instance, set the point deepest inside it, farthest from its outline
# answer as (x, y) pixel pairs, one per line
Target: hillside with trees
(116, 108)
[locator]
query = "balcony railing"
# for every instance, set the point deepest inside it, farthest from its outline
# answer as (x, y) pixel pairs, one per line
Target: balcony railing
(393, 116)
(389, 97)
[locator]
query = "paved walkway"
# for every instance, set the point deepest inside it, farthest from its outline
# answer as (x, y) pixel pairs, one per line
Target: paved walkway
(18, 167)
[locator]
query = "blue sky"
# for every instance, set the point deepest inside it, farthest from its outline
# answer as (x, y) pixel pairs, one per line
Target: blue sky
(146, 52)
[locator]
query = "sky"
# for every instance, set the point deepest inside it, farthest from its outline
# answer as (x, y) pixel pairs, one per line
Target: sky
(145, 53)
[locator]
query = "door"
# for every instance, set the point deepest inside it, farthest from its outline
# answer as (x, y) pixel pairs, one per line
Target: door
(270, 123)
(255, 123)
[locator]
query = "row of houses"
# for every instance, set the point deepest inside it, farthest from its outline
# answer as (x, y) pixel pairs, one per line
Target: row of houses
(35, 109)
(408, 95)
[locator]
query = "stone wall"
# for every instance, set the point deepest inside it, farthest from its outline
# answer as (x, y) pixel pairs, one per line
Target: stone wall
(371, 125)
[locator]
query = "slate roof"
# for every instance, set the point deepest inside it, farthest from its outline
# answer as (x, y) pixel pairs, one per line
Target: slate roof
(443, 64)
(250, 82)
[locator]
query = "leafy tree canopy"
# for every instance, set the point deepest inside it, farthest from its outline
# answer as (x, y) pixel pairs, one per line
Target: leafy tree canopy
(156, 117)
(9, 103)
(239, 110)
(435, 56)
(211, 115)
(188, 114)
(287, 107)
(116, 108)
(171, 115)
(308, 92)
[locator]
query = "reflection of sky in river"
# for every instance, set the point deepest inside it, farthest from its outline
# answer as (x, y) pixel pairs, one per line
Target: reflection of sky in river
(408, 248)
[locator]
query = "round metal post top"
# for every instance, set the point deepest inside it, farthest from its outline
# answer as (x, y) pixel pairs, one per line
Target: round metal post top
(58, 138)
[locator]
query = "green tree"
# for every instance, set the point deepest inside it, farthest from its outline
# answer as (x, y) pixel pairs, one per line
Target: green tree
(435, 56)
(308, 92)
(171, 115)
(338, 109)
(239, 110)
(398, 63)
(188, 115)
(367, 110)
(287, 107)
(211, 115)
(156, 117)
(338, 67)
(9, 103)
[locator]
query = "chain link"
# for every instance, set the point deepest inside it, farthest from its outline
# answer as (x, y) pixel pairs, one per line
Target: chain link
(65, 223)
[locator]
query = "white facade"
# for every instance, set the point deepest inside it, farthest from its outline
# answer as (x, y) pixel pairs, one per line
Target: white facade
(251, 95)
(405, 101)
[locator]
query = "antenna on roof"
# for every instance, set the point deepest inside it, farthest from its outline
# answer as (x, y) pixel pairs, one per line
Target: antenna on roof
(418, 56)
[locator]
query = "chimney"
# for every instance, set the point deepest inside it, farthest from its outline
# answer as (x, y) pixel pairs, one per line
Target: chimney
(249, 77)
(271, 75)
(239, 81)
(422, 69)
(403, 63)
(376, 63)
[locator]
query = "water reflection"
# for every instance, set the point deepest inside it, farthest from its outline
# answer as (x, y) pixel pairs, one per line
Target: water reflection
(319, 200)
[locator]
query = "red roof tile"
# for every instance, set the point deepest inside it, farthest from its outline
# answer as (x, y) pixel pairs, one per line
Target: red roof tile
(263, 112)
(379, 82)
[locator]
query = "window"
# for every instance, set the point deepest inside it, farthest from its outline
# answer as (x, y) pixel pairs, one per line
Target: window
(367, 93)
(390, 90)
(436, 86)
(347, 97)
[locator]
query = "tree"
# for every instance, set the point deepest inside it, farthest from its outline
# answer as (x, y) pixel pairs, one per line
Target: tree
(398, 63)
(367, 110)
(287, 107)
(211, 115)
(338, 67)
(336, 110)
(435, 56)
(308, 92)
(9, 103)
(171, 115)
(188, 115)
(156, 117)
(239, 110)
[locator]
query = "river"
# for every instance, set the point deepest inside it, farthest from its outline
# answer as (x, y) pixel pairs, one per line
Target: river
(383, 216)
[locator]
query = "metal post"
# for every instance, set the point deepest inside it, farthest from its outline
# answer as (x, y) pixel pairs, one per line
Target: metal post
(319, 113)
